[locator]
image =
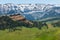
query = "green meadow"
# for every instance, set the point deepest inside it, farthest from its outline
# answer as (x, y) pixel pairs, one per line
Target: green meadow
(31, 34)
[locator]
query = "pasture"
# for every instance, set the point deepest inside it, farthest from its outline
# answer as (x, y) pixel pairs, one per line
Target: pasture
(31, 34)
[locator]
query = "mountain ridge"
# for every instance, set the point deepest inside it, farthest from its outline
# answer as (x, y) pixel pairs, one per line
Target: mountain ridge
(31, 11)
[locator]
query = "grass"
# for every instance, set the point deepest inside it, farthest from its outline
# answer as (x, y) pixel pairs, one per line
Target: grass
(31, 34)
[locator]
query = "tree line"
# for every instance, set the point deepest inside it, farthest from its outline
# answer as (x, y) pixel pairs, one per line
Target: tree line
(8, 23)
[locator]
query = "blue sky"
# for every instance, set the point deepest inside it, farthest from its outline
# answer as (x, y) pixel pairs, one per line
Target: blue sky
(30, 1)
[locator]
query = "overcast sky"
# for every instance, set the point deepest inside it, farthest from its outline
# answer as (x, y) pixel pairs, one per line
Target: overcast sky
(30, 1)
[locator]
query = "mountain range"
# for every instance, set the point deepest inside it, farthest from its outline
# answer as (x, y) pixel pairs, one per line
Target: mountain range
(39, 12)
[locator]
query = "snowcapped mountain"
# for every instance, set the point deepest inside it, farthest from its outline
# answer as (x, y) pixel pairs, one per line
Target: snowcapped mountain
(31, 11)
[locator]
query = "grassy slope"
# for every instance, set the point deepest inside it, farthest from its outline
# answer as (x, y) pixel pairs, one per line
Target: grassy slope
(31, 34)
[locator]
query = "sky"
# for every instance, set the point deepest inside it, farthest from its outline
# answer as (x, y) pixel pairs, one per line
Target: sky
(30, 1)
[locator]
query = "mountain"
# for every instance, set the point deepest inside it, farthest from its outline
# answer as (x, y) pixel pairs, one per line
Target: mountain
(52, 13)
(39, 12)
